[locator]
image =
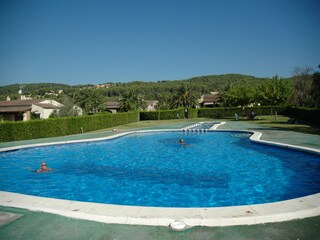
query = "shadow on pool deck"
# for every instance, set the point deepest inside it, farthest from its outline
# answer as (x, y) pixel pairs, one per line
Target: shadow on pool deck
(38, 225)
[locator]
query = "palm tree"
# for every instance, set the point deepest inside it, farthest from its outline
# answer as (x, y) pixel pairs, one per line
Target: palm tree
(90, 100)
(131, 101)
(184, 98)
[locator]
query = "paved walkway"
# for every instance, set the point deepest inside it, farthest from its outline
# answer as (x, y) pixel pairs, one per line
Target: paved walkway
(276, 135)
(37, 225)
(23, 224)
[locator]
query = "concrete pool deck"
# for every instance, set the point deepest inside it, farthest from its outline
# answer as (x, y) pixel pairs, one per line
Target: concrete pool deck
(199, 217)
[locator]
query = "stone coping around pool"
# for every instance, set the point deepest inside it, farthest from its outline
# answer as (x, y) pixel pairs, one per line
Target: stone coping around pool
(297, 208)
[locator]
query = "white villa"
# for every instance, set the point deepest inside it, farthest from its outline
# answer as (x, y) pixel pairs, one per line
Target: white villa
(20, 110)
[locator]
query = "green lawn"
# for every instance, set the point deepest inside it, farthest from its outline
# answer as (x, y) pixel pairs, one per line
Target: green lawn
(281, 123)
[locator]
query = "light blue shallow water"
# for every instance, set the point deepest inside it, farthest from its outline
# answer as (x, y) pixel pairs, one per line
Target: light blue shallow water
(153, 169)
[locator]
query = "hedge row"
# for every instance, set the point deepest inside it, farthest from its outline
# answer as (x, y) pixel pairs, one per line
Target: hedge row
(15, 131)
(230, 112)
(168, 114)
(216, 113)
(307, 114)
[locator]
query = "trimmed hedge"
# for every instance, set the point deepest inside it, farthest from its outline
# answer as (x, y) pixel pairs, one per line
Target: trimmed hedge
(168, 114)
(311, 115)
(216, 113)
(231, 111)
(15, 131)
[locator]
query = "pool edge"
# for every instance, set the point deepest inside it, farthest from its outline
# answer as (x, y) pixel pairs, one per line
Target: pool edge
(298, 208)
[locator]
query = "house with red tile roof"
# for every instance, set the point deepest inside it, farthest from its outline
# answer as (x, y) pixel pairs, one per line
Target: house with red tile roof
(20, 110)
(210, 100)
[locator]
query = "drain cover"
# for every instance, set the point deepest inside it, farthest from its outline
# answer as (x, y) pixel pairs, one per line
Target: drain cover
(177, 225)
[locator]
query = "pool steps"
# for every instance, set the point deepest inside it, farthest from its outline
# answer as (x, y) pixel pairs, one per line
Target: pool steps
(201, 127)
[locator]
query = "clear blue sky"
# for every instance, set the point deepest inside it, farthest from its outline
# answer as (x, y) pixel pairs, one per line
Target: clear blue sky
(82, 42)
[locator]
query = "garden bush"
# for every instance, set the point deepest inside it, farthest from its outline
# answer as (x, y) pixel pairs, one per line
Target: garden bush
(311, 115)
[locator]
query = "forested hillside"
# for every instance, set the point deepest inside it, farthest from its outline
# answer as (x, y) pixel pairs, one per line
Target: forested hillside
(235, 90)
(150, 90)
(33, 89)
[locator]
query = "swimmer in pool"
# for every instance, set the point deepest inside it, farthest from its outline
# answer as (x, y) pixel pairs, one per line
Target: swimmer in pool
(183, 143)
(44, 168)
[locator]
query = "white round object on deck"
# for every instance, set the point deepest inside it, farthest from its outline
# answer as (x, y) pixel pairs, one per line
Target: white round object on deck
(177, 225)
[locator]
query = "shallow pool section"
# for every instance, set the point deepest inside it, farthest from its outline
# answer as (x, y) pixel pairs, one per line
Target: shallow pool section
(153, 169)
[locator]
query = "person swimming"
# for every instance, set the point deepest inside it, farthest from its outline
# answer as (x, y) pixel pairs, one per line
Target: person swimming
(182, 141)
(44, 168)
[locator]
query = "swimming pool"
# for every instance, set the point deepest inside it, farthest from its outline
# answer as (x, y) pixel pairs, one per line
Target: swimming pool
(153, 169)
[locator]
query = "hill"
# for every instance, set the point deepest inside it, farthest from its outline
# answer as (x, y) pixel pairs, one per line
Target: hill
(150, 90)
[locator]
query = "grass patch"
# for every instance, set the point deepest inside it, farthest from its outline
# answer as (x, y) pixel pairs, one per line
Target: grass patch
(281, 124)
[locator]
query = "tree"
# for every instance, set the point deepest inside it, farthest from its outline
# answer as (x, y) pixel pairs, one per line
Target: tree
(90, 100)
(302, 87)
(162, 98)
(316, 88)
(274, 92)
(184, 98)
(131, 101)
(68, 108)
(240, 94)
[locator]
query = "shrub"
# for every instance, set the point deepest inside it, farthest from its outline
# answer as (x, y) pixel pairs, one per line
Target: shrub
(311, 115)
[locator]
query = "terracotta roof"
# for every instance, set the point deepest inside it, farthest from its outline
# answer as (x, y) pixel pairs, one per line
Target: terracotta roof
(14, 109)
(23, 105)
(151, 102)
(210, 98)
(20, 102)
(113, 105)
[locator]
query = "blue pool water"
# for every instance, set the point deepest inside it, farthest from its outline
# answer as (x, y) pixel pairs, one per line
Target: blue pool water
(153, 169)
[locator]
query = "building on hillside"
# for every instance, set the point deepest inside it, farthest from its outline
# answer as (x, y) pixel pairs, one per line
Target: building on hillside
(113, 107)
(210, 100)
(105, 85)
(21, 110)
(151, 105)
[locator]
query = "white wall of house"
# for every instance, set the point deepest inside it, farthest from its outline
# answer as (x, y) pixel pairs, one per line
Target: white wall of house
(151, 105)
(44, 113)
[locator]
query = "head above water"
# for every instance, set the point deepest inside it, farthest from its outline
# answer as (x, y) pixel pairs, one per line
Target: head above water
(181, 140)
(43, 165)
